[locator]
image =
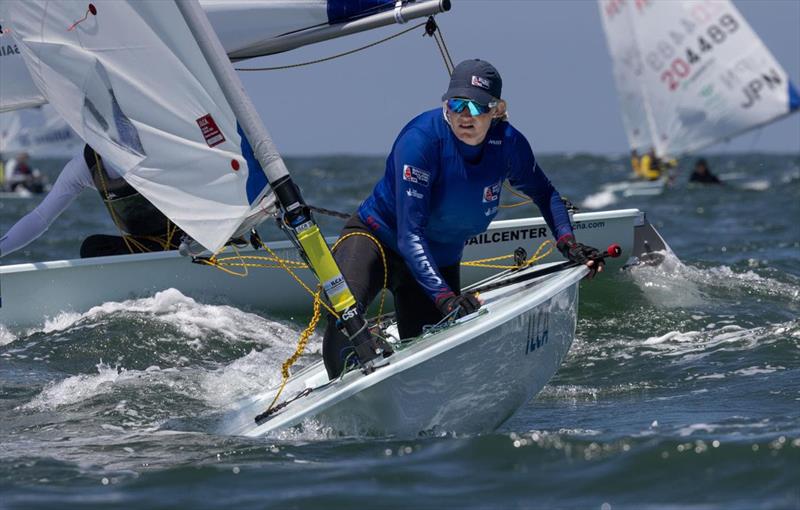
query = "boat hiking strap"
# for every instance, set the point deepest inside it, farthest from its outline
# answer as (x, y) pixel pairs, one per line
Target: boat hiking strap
(131, 242)
(431, 29)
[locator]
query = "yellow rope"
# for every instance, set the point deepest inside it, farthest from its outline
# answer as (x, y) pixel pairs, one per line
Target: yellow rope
(312, 325)
(536, 257)
(130, 241)
(383, 259)
(301, 346)
(286, 268)
(275, 263)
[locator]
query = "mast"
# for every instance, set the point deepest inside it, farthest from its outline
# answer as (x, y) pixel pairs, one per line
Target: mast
(297, 216)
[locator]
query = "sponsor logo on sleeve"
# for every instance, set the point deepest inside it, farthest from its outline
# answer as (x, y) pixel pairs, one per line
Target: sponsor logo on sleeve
(416, 175)
(491, 193)
(413, 193)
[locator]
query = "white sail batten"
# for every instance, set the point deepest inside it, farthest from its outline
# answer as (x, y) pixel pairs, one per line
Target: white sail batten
(703, 74)
(132, 82)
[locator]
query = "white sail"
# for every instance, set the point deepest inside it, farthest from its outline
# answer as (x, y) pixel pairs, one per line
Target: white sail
(132, 82)
(627, 69)
(246, 28)
(706, 76)
(16, 86)
(41, 132)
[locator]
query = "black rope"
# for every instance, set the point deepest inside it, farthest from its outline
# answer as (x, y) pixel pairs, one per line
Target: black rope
(432, 29)
(330, 212)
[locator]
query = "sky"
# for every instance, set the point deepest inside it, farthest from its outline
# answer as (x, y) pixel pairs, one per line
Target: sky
(553, 58)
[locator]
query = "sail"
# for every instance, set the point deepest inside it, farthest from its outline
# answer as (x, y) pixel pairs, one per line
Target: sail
(132, 82)
(41, 132)
(705, 74)
(246, 28)
(16, 85)
(627, 67)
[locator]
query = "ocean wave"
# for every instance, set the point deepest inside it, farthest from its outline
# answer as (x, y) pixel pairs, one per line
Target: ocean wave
(168, 329)
(677, 285)
(192, 319)
(76, 389)
(254, 373)
(686, 359)
(6, 336)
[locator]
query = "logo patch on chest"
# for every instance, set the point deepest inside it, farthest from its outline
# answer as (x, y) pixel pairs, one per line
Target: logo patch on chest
(416, 175)
(491, 193)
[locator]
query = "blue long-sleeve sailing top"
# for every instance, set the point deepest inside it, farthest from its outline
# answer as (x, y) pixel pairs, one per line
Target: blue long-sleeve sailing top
(437, 192)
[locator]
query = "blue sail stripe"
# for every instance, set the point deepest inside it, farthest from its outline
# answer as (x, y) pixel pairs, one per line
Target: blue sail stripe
(256, 178)
(794, 97)
(344, 10)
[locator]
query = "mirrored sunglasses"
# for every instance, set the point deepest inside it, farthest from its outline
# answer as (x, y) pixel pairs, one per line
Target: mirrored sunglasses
(457, 105)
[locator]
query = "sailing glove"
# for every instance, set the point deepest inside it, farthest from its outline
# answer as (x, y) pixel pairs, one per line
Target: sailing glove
(464, 304)
(580, 253)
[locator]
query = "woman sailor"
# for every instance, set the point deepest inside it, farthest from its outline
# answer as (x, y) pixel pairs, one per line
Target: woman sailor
(442, 186)
(143, 227)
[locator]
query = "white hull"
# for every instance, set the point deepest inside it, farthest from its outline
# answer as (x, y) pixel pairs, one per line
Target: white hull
(638, 188)
(469, 378)
(33, 292)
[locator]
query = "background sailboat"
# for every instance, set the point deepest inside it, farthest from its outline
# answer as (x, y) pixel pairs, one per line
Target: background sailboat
(691, 73)
(40, 132)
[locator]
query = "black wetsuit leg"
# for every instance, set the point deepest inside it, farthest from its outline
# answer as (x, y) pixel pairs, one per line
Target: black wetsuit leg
(413, 306)
(360, 262)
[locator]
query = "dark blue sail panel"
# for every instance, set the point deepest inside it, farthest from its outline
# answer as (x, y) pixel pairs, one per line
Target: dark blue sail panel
(794, 98)
(340, 11)
(256, 178)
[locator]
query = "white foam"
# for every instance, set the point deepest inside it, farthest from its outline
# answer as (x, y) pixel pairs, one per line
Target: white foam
(6, 336)
(666, 284)
(673, 284)
(758, 370)
(75, 389)
(60, 322)
(599, 200)
(693, 345)
(711, 376)
(194, 321)
(676, 336)
(759, 185)
(691, 429)
(256, 372)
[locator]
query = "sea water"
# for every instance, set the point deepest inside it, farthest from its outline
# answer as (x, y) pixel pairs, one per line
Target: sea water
(681, 391)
